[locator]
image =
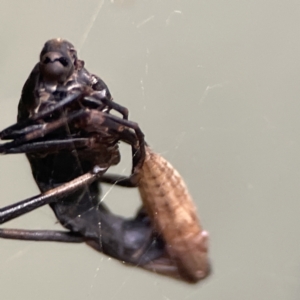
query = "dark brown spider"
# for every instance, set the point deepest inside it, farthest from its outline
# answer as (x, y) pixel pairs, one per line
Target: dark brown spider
(70, 139)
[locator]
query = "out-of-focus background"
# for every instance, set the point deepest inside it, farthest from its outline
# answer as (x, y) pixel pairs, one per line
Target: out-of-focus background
(215, 87)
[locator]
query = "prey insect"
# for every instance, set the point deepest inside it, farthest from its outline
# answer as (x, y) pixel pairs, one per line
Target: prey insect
(70, 139)
(171, 208)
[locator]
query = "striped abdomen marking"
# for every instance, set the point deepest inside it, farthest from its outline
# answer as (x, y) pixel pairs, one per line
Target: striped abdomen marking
(171, 208)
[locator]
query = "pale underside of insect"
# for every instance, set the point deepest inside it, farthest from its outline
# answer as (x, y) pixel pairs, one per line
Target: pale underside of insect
(173, 213)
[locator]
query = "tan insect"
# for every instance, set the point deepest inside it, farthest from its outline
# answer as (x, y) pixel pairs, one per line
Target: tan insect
(173, 213)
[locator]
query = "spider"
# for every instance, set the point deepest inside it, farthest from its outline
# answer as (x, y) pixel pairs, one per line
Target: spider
(70, 138)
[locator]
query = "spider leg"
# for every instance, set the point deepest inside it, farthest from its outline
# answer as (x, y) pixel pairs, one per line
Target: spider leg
(137, 154)
(41, 132)
(7, 132)
(97, 121)
(17, 209)
(129, 240)
(91, 121)
(161, 263)
(26, 126)
(42, 235)
(117, 107)
(50, 146)
(23, 131)
(127, 243)
(109, 103)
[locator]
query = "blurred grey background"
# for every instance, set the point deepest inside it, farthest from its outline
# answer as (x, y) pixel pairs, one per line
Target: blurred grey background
(215, 87)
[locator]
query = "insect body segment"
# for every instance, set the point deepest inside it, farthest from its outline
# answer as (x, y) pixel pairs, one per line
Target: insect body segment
(171, 208)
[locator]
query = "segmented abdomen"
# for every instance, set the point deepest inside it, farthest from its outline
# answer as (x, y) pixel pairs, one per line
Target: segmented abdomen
(171, 208)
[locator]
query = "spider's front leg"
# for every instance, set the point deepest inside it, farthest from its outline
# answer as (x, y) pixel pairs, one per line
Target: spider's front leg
(53, 195)
(85, 96)
(24, 133)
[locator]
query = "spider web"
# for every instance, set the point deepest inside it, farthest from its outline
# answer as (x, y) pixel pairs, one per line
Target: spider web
(214, 86)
